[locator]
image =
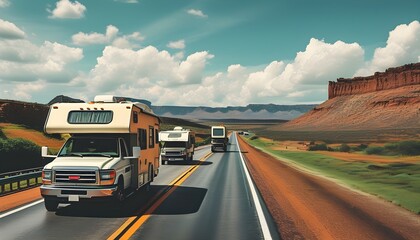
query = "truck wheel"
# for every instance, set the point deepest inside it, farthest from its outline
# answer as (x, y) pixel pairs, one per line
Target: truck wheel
(212, 149)
(51, 205)
(119, 194)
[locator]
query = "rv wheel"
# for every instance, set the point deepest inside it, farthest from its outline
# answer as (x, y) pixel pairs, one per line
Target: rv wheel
(51, 205)
(119, 194)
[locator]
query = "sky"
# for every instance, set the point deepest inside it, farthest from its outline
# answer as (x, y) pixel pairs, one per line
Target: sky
(200, 53)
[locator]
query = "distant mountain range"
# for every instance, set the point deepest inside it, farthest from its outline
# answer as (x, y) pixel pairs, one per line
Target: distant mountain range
(251, 111)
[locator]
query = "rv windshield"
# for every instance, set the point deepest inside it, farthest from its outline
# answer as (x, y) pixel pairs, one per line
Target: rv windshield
(107, 147)
(175, 144)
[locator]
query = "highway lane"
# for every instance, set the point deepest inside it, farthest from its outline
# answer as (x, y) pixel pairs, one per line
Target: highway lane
(214, 202)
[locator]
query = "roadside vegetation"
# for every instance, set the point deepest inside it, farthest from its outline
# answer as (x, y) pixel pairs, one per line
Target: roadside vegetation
(20, 147)
(393, 178)
(17, 154)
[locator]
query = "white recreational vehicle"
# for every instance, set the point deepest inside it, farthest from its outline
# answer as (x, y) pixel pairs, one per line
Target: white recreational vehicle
(177, 144)
(113, 151)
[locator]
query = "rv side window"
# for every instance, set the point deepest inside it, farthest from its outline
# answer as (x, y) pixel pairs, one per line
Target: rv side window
(151, 137)
(89, 117)
(142, 137)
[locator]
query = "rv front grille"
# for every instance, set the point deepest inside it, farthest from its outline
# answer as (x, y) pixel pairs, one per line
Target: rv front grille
(173, 153)
(75, 176)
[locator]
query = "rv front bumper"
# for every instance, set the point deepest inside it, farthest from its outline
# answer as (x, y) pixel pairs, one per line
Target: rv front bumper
(81, 192)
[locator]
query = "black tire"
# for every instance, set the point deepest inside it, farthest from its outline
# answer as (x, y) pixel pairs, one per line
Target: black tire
(119, 194)
(151, 173)
(212, 149)
(51, 205)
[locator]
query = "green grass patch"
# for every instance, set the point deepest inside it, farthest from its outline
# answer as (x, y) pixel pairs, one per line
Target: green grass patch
(396, 182)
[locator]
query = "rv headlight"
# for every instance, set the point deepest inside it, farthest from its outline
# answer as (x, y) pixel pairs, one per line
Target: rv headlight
(46, 176)
(107, 177)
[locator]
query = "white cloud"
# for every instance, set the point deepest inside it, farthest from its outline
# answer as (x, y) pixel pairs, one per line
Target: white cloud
(24, 91)
(95, 38)
(177, 44)
(197, 13)
(21, 60)
(144, 69)
(166, 79)
(402, 47)
(9, 30)
(68, 9)
(110, 37)
(322, 62)
(4, 3)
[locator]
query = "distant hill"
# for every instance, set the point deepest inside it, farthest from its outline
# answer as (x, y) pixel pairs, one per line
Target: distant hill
(64, 99)
(251, 111)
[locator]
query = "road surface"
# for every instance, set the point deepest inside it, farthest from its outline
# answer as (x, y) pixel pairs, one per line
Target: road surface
(212, 200)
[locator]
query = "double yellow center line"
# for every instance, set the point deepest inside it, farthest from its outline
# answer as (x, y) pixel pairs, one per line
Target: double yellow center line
(132, 224)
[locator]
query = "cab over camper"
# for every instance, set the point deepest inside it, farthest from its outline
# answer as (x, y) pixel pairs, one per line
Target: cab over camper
(219, 139)
(113, 151)
(177, 145)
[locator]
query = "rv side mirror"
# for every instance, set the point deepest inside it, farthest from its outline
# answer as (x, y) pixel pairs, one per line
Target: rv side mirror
(44, 153)
(136, 152)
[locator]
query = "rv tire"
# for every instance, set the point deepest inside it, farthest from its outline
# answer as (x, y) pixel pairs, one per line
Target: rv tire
(51, 205)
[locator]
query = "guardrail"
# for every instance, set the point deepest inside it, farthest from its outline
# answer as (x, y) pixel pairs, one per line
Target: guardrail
(12, 182)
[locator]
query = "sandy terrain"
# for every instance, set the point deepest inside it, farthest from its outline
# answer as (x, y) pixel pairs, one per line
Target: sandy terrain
(305, 206)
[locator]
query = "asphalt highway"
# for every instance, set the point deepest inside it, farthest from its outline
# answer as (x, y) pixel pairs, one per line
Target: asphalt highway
(209, 198)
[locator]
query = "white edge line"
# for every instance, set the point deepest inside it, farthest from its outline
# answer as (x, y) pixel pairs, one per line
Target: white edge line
(21, 208)
(260, 213)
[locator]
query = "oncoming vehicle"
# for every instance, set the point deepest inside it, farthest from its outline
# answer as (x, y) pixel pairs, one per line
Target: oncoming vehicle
(177, 145)
(113, 151)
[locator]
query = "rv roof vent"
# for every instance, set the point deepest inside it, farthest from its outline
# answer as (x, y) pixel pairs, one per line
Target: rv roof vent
(178, 128)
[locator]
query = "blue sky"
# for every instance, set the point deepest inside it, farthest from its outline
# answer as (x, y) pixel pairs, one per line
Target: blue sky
(209, 52)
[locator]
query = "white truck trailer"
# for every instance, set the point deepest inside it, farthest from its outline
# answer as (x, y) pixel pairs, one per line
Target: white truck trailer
(219, 138)
(177, 145)
(113, 151)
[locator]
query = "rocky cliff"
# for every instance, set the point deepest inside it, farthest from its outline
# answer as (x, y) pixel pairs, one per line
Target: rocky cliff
(388, 100)
(390, 79)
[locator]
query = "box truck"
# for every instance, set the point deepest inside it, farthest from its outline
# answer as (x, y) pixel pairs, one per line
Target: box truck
(112, 152)
(219, 138)
(177, 145)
